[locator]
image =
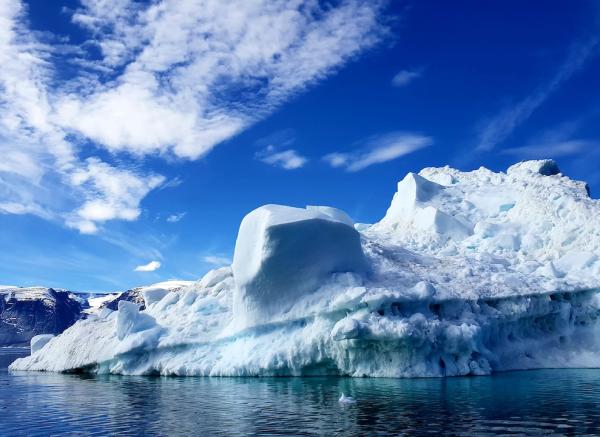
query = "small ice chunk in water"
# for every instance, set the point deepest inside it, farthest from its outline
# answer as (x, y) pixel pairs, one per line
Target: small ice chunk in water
(346, 399)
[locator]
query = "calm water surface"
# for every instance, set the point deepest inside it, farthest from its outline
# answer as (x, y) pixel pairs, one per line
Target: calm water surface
(558, 402)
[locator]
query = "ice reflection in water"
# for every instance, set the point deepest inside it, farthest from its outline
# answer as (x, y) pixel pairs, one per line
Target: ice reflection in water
(533, 402)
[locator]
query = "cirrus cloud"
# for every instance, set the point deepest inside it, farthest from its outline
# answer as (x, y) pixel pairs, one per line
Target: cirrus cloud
(404, 77)
(379, 149)
(217, 260)
(288, 159)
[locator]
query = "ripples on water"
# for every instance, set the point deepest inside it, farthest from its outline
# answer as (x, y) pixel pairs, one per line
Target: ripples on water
(559, 402)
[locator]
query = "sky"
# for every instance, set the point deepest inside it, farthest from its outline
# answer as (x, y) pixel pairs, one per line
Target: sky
(135, 135)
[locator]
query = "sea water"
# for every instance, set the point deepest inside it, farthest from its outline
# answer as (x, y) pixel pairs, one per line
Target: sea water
(559, 402)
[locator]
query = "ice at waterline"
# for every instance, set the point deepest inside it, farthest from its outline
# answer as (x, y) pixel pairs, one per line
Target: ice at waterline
(467, 273)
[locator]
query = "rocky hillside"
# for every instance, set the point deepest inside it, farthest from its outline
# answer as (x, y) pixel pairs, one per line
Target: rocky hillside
(26, 312)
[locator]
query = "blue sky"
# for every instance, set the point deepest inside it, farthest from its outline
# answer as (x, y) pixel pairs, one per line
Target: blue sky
(142, 132)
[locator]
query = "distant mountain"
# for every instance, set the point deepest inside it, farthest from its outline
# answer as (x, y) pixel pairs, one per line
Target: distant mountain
(30, 311)
(136, 295)
(26, 312)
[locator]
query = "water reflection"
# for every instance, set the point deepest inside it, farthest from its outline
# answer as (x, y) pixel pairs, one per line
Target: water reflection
(548, 401)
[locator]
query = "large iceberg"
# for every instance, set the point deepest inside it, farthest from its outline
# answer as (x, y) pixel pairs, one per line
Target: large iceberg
(467, 273)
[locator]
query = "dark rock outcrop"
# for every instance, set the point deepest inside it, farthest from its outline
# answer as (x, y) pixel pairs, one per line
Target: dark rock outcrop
(134, 295)
(26, 312)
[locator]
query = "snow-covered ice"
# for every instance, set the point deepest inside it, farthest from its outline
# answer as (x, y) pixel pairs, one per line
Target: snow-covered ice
(466, 273)
(39, 341)
(96, 302)
(284, 253)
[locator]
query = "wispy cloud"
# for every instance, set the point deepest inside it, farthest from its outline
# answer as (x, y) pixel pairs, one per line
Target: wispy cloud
(150, 267)
(174, 218)
(500, 127)
(217, 260)
(172, 183)
(552, 150)
(379, 149)
(173, 79)
(559, 141)
(404, 77)
(288, 159)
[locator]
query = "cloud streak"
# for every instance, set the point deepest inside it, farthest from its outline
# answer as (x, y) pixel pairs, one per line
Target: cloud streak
(500, 127)
(404, 77)
(379, 149)
(174, 218)
(217, 260)
(288, 159)
(552, 150)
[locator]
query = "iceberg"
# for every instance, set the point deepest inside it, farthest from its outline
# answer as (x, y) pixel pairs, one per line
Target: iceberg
(467, 273)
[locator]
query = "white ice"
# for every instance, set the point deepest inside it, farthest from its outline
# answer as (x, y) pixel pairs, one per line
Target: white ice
(467, 273)
(96, 303)
(275, 264)
(39, 341)
(346, 399)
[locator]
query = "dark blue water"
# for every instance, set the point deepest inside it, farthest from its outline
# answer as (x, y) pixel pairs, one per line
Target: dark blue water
(559, 402)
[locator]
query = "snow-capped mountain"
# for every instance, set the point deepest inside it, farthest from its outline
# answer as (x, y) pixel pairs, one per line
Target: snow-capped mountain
(26, 312)
(466, 273)
(136, 295)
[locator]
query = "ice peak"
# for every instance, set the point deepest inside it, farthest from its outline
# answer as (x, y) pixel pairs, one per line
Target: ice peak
(416, 188)
(412, 191)
(545, 167)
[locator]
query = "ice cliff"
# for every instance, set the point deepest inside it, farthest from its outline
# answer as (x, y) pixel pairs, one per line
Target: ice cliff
(467, 273)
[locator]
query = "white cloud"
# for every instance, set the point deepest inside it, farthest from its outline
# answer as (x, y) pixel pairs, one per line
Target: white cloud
(288, 159)
(174, 78)
(500, 127)
(200, 71)
(379, 149)
(172, 183)
(111, 194)
(150, 267)
(217, 260)
(552, 150)
(41, 172)
(559, 141)
(338, 159)
(174, 218)
(404, 77)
